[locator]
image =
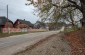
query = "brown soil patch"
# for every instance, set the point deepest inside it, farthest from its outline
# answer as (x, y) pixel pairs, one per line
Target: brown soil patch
(77, 42)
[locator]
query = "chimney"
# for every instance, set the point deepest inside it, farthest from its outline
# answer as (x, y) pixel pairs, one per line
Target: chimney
(24, 19)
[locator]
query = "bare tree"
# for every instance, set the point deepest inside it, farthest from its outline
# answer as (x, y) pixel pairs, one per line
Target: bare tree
(77, 4)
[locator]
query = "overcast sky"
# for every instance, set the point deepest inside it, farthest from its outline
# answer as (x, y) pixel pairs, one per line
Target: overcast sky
(18, 10)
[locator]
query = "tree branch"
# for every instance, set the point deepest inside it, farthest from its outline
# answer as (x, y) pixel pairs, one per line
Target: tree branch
(75, 6)
(72, 2)
(55, 5)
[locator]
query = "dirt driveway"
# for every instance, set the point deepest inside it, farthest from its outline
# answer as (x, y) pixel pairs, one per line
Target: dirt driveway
(54, 45)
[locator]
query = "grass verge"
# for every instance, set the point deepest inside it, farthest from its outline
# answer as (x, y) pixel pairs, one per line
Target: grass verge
(2, 35)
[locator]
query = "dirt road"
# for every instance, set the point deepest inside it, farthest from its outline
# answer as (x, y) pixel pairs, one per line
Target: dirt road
(13, 44)
(54, 45)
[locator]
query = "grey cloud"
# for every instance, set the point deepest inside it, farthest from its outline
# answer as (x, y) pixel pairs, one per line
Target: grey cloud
(18, 9)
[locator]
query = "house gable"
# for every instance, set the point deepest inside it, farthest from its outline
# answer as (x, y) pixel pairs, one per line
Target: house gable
(5, 23)
(22, 24)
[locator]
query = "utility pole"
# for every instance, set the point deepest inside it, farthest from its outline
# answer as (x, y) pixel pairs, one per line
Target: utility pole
(7, 19)
(7, 12)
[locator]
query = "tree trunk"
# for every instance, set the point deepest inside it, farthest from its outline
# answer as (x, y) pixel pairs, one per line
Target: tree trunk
(83, 19)
(71, 18)
(83, 13)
